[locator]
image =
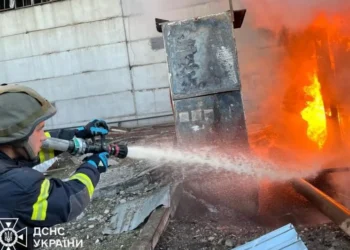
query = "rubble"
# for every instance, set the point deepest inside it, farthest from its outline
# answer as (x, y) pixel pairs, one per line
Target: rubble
(229, 243)
(187, 232)
(195, 225)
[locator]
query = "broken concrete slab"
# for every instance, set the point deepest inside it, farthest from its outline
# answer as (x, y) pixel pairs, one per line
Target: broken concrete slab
(158, 221)
(130, 215)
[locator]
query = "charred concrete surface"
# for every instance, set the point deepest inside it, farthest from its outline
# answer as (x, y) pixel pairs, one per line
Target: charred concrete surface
(197, 224)
(204, 80)
(201, 56)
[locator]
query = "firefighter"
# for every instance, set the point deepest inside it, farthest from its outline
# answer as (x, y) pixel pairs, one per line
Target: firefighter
(26, 194)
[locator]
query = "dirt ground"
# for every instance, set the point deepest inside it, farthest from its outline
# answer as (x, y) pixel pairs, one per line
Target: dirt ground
(194, 225)
(208, 233)
(225, 230)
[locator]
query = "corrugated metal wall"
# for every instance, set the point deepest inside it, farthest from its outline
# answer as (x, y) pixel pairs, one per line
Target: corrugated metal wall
(98, 58)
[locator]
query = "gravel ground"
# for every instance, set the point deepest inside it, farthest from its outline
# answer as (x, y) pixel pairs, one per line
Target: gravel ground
(89, 226)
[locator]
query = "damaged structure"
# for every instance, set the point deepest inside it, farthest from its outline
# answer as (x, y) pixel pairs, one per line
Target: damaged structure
(205, 82)
(205, 88)
(208, 109)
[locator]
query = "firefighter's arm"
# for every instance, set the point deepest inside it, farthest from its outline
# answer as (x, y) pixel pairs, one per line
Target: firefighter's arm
(94, 128)
(53, 201)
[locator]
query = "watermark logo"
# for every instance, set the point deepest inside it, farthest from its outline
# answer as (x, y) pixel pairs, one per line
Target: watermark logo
(47, 237)
(9, 237)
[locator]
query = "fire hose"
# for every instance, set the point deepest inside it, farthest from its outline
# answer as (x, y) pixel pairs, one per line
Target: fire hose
(78, 147)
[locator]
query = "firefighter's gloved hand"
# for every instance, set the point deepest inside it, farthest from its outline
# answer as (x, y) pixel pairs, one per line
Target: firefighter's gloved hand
(96, 127)
(99, 161)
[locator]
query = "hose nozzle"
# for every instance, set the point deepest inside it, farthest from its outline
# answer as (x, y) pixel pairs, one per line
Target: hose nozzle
(118, 150)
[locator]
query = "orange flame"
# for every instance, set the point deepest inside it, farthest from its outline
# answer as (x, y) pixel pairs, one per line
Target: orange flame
(314, 114)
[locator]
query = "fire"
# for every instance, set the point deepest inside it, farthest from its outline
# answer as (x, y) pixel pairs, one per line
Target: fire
(311, 66)
(312, 76)
(314, 114)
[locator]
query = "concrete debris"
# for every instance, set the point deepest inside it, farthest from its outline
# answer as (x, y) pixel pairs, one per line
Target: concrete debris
(129, 215)
(43, 167)
(80, 216)
(284, 238)
(118, 131)
(123, 179)
(229, 243)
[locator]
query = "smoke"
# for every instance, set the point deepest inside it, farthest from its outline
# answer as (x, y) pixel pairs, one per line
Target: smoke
(262, 52)
(340, 182)
(294, 14)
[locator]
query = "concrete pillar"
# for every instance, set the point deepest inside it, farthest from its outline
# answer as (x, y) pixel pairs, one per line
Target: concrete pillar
(205, 82)
(205, 88)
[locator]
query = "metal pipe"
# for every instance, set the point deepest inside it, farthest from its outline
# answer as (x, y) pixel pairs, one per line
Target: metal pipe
(231, 11)
(327, 78)
(328, 206)
(58, 144)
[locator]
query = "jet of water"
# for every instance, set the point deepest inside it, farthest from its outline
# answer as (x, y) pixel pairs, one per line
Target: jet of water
(207, 160)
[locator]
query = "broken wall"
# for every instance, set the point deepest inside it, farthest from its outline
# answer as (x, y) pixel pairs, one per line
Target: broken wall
(105, 58)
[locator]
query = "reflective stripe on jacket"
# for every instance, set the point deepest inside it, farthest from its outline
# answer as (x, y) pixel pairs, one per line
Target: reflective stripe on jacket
(37, 201)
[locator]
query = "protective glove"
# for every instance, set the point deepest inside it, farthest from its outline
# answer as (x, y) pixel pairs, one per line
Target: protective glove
(93, 128)
(99, 161)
